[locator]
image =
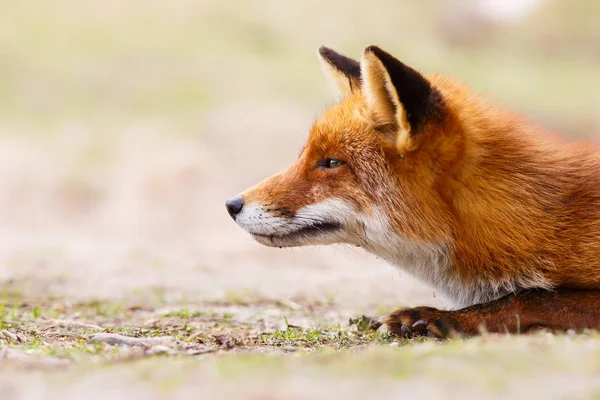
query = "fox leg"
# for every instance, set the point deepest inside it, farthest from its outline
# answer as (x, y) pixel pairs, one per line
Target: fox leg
(557, 310)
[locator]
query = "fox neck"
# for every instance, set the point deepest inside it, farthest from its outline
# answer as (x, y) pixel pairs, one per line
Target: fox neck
(430, 262)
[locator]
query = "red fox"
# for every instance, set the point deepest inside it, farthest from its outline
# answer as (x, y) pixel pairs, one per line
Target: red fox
(499, 216)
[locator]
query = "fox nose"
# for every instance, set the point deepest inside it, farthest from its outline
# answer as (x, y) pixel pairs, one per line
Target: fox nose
(234, 206)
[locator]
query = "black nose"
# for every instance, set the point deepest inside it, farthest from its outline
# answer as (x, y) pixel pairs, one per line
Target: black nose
(234, 206)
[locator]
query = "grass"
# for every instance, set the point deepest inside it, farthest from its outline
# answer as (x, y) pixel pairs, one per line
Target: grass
(215, 343)
(66, 327)
(239, 343)
(209, 357)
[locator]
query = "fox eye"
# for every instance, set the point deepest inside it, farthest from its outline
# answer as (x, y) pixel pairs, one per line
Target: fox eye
(330, 163)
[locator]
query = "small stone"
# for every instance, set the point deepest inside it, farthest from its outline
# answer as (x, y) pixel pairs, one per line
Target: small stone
(70, 324)
(159, 349)
(224, 340)
(200, 349)
(116, 339)
(8, 335)
(151, 322)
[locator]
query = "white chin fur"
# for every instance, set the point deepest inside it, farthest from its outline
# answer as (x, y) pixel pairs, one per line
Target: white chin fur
(297, 240)
(299, 230)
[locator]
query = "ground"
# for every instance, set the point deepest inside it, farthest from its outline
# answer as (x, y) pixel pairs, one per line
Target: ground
(253, 347)
(124, 127)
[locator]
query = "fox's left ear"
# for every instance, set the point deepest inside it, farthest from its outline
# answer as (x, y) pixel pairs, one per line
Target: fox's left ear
(397, 96)
(343, 71)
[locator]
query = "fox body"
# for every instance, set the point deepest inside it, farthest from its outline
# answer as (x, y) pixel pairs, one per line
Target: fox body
(499, 216)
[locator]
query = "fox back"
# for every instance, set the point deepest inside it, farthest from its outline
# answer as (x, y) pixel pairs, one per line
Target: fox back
(471, 199)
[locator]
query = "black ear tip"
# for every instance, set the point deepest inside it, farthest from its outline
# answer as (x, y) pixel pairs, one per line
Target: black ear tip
(375, 50)
(343, 64)
(325, 51)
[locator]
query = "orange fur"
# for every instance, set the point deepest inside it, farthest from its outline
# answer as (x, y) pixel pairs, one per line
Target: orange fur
(512, 206)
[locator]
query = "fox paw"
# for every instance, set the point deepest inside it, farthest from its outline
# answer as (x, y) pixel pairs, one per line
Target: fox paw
(422, 321)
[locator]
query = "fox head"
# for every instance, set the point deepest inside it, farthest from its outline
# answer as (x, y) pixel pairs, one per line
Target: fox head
(372, 169)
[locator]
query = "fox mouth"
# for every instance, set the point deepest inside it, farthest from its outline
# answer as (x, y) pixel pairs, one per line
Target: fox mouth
(295, 238)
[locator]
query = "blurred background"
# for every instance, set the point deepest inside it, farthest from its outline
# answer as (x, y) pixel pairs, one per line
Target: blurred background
(124, 126)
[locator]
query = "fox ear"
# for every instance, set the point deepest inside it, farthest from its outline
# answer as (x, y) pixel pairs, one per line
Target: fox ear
(397, 95)
(344, 72)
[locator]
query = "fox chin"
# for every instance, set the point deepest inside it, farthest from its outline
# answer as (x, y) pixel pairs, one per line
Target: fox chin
(500, 216)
